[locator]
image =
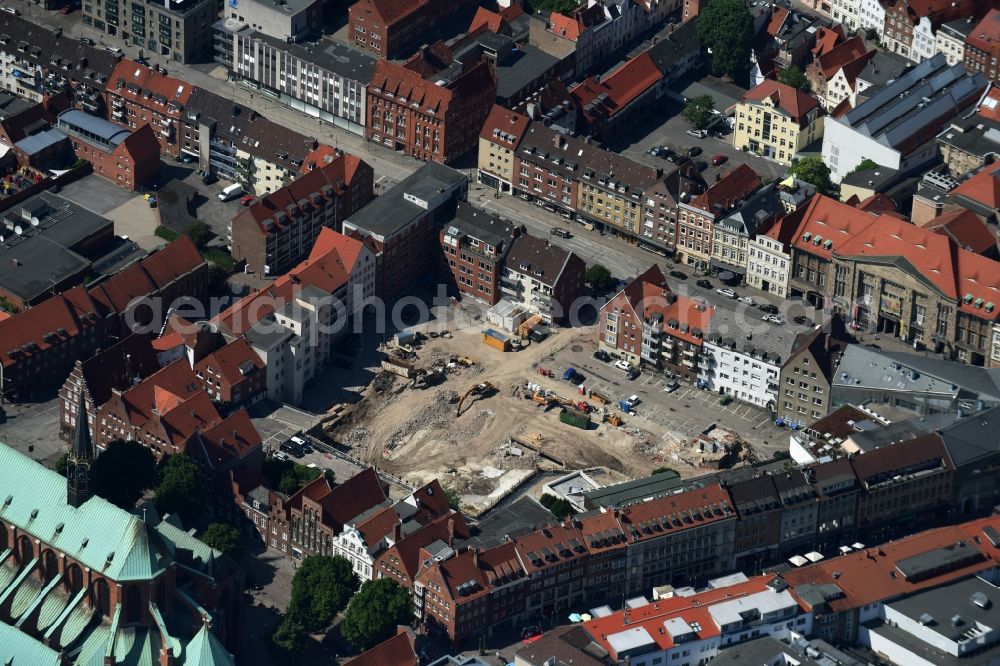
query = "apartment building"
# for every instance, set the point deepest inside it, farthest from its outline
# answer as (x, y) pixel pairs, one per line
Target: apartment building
(36, 63)
(950, 39)
(179, 31)
(967, 144)
(871, 16)
(138, 95)
(544, 278)
(474, 246)
(394, 29)
(847, 12)
(278, 230)
(498, 142)
(648, 324)
(982, 47)
(403, 225)
(696, 218)
(289, 21)
(239, 145)
(325, 79)
(806, 379)
(833, 75)
(436, 119)
(732, 234)
(777, 121)
(128, 159)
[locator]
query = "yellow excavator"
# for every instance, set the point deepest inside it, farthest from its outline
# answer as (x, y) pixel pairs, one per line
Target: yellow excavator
(478, 390)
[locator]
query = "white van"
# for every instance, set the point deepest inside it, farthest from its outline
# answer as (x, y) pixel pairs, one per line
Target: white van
(231, 192)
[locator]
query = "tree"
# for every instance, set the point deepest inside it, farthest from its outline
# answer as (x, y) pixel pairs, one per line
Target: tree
(199, 232)
(288, 476)
(181, 487)
(375, 612)
(454, 498)
(814, 171)
(793, 76)
(559, 507)
(698, 111)
(599, 277)
(321, 588)
(224, 538)
(123, 472)
(725, 27)
(62, 462)
(660, 470)
(864, 165)
(289, 636)
(559, 6)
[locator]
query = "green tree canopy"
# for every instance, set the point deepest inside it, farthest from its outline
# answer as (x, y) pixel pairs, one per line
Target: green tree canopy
(224, 538)
(599, 277)
(725, 27)
(864, 164)
(813, 170)
(123, 472)
(375, 612)
(660, 470)
(558, 6)
(698, 111)
(794, 77)
(181, 487)
(321, 588)
(454, 498)
(559, 507)
(289, 637)
(288, 476)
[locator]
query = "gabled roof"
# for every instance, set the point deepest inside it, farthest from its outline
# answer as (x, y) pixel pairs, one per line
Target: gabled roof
(234, 362)
(827, 39)
(791, 100)
(397, 651)
(539, 258)
(606, 96)
(118, 366)
(504, 127)
(723, 195)
(353, 497)
(230, 438)
(977, 284)
(99, 535)
(150, 88)
(206, 650)
(966, 229)
(842, 55)
(986, 34)
(66, 314)
(984, 187)
(348, 249)
(176, 379)
(824, 219)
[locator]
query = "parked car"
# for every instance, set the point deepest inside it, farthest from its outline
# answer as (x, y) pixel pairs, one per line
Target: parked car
(632, 401)
(208, 178)
(747, 299)
(11, 10)
(704, 284)
(671, 386)
(681, 160)
(678, 274)
(726, 291)
(697, 133)
(246, 200)
(602, 356)
(632, 374)
(623, 365)
(87, 40)
(768, 308)
(562, 233)
(803, 321)
(694, 151)
(773, 319)
(719, 160)
(281, 456)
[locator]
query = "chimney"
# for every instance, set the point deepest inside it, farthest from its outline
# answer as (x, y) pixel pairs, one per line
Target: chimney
(397, 531)
(475, 557)
(451, 532)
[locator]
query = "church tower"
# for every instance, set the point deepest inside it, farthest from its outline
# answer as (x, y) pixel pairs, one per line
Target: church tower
(79, 469)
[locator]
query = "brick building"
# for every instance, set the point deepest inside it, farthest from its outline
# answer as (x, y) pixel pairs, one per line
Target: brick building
(128, 159)
(475, 245)
(138, 95)
(696, 219)
(402, 224)
(431, 119)
(277, 231)
(982, 47)
(498, 141)
(393, 29)
(611, 102)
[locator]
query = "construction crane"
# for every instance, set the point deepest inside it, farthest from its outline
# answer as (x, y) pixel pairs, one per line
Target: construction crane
(475, 390)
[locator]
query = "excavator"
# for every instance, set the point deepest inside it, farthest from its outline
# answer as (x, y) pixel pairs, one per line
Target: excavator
(479, 390)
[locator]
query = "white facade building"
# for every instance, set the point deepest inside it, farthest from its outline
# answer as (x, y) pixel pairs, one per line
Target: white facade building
(871, 16)
(924, 44)
(847, 12)
(768, 264)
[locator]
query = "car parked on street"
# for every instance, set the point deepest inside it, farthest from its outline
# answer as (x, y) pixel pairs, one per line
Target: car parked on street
(726, 291)
(768, 308)
(562, 233)
(747, 299)
(719, 160)
(773, 319)
(697, 133)
(671, 386)
(602, 356)
(632, 374)
(704, 284)
(694, 151)
(632, 401)
(678, 274)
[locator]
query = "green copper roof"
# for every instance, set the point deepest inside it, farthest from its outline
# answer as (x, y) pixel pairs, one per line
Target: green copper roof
(97, 534)
(206, 650)
(174, 537)
(20, 649)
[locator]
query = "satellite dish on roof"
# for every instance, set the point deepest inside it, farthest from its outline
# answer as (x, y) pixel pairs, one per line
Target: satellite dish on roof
(34, 221)
(18, 230)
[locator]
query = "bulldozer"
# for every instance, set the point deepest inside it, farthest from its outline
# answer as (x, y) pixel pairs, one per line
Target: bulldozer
(476, 390)
(613, 419)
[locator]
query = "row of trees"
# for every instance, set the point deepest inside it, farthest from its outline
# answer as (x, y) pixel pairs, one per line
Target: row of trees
(323, 587)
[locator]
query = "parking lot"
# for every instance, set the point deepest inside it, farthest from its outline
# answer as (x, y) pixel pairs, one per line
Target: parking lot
(683, 413)
(204, 205)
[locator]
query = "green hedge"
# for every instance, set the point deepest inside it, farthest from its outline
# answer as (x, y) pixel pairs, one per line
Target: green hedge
(220, 258)
(166, 234)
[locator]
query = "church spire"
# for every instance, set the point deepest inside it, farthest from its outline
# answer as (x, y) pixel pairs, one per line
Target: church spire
(79, 474)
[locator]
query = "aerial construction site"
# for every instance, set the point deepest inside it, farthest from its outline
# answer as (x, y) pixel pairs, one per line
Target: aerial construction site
(454, 406)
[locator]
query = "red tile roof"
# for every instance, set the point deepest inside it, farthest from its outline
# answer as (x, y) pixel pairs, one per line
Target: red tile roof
(176, 379)
(978, 277)
(688, 315)
(778, 16)
(675, 513)
(230, 438)
(827, 39)
(851, 51)
(178, 258)
(791, 100)
(602, 531)
(722, 195)
(986, 34)
(361, 492)
(990, 105)
(403, 83)
(877, 203)
(966, 229)
(550, 547)
(168, 94)
(153, 273)
(504, 127)
(397, 651)
(234, 361)
(346, 247)
(984, 187)
(141, 144)
(830, 220)
(493, 21)
(72, 311)
(872, 574)
(408, 548)
(619, 89)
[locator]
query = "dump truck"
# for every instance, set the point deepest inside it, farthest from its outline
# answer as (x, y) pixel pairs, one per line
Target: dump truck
(574, 417)
(496, 339)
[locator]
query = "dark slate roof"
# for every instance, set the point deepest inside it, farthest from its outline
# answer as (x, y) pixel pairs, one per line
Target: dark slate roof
(762, 206)
(637, 490)
(985, 382)
(675, 46)
(883, 68)
(487, 227)
(328, 54)
(85, 63)
(521, 517)
(538, 257)
(973, 438)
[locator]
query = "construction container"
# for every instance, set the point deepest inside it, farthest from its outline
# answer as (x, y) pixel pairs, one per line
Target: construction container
(404, 338)
(574, 417)
(398, 366)
(599, 398)
(524, 329)
(496, 339)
